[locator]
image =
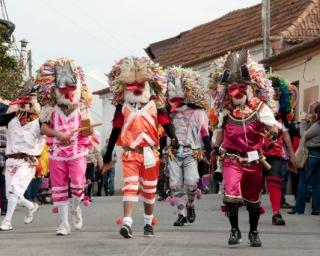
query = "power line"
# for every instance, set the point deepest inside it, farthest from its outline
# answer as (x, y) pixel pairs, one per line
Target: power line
(103, 28)
(80, 27)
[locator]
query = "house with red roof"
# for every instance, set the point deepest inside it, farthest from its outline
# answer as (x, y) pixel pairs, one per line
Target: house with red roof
(293, 25)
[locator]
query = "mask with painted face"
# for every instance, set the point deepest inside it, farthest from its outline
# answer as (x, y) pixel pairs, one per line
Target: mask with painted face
(67, 85)
(185, 88)
(27, 101)
(137, 80)
(137, 93)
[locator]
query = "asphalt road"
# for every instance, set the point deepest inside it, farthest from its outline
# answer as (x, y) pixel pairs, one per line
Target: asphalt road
(207, 236)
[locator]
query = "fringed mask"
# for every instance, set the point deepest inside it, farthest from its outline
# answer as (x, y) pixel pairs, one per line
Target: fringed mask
(27, 101)
(185, 88)
(67, 85)
(137, 80)
(236, 77)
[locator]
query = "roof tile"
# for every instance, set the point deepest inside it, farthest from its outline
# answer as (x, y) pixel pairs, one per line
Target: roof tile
(294, 19)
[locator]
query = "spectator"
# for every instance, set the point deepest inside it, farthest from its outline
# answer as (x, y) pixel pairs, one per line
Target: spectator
(3, 196)
(34, 189)
(94, 161)
(108, 177)
(311, 172)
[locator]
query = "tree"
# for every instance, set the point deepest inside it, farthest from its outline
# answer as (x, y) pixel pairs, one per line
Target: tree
(11, 71)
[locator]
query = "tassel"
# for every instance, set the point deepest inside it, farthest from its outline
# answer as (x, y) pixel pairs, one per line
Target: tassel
(170, 200)
(154, 221)
(199, 193)
(86, 201)
(119, 221)
(223, 208)
(55, 210)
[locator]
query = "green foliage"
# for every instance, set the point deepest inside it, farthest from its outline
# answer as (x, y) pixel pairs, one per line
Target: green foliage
(10, 72)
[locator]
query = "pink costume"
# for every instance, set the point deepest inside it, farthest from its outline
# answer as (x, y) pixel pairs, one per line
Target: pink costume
(240, 88)
(242, 181)
(67, 161)
(66, 102)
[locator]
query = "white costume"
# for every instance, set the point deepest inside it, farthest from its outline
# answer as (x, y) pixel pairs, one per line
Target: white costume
(24, 144)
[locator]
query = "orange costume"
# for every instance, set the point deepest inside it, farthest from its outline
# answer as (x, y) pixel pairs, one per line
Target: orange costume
(138, 86)
(139, 131)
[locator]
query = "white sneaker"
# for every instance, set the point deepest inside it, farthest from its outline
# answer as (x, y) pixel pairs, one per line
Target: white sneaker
(29, 214)
(77, 218)
(63, 230)
(5, 225)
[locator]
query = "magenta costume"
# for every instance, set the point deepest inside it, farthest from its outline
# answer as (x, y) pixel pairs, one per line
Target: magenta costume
(242, 181)
(67, 161)
(240, 90)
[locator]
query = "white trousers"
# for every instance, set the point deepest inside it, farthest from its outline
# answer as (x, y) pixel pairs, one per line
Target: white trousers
(19, 174)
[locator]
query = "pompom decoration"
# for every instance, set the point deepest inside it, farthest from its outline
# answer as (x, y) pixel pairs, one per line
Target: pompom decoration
(86, 201)
(119, 221)
(170, 200)
(154, 221)
(199, 193)
(55, 210)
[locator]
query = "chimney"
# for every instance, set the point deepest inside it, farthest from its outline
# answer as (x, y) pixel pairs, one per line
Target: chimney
(276, 44)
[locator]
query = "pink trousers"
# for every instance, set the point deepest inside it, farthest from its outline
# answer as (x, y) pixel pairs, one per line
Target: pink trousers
(60, 172)
(242, 182)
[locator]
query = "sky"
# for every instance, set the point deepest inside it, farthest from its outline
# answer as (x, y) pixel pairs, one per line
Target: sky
(95, 33)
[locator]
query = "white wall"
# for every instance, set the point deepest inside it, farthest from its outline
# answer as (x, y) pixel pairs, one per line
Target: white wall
(308, 76)
(107, 110)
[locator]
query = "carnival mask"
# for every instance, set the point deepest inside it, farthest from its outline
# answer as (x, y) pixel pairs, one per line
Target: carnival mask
(137, 93)
(27, 104)
(68, 95)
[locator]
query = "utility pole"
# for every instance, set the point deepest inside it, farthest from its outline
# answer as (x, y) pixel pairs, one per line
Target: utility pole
(26, 59)
(29, 61)
(266, 27)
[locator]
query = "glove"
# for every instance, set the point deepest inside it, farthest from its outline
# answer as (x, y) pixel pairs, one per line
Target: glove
(174, 143)
(273, 136)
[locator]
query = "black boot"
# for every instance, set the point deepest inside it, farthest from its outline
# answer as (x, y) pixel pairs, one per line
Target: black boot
(254, 215)
(235, 236)
(254, 239)
(278, 220)
(180, 221)
(232, 214)
(191, 214)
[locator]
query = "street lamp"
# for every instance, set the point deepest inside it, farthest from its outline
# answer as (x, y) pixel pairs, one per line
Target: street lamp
(23, 44)
(25, 57)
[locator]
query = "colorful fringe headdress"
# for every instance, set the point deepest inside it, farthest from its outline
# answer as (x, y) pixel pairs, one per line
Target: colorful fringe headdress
(283, 93)
(47, 81)
(190, 84)
(236, 67)
(131, 70)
